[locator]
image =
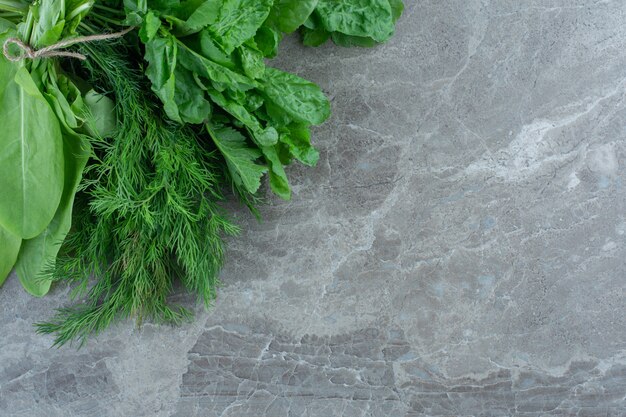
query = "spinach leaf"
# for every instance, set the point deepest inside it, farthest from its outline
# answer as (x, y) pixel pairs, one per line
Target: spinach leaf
(102, 122)
(10, 245)
(367, 18)
(37, 256)
(289, 15)
(161, 55)
(31, 154)
(278, 178)
(239, 157)
(300, 99)
(239, 21)
(298, 140)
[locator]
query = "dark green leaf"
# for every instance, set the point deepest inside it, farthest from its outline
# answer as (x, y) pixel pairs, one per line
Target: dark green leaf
(161, 54)
(298, 141)
(239, 157)
(251, 61)
(365, 18)
(397, 7)
(289, 15)
(267, 40)
(278, 178)
(299, 98)
(190, 98)
(205, 15)
(239, 21)
(314, 37)
(344, 40)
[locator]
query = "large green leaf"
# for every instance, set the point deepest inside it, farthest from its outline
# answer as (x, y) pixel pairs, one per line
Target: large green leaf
(367, 18)
(102, 121)
(239, 21)
(9, 248)
(193, 107)
(239, 158)
(298, 141)
(213, 71)
(289, 15)
(161, 54)
(299, 98)
(278, 178)
(38, 254)
(31, 155)
(205, 15)
(397, 7)
(347, 41)
(262, 136)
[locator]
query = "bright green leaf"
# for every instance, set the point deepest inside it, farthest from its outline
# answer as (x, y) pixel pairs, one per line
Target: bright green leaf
(103, 120)
(239, 157)
(299, 142)
(278, 178)
(31, 155)
(150, 27)
(289, 15)
(161, 54)
(267, 40)
(314, 37)
(239, 21)
(38, 255)
(205, 15)
(9, 248)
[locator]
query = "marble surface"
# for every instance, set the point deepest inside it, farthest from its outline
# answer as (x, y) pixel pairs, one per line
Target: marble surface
(460, 250)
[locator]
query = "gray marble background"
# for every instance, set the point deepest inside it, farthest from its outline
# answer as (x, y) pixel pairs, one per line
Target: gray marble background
(460, 249)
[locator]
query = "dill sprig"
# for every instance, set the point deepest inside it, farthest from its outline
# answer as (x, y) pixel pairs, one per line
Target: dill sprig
(147, 213)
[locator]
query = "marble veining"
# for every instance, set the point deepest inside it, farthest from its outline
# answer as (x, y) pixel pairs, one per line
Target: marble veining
(460, 249)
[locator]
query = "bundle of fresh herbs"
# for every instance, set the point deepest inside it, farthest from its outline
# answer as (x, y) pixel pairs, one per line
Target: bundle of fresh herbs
(142, 179)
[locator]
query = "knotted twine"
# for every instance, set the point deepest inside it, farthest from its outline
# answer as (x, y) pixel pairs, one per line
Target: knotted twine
(55, 50)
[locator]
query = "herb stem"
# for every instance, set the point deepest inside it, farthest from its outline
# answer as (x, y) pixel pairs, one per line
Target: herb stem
(109, 9)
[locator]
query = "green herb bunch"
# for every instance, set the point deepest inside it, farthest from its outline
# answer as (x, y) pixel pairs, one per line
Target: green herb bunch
(172, 115)
(147, 213)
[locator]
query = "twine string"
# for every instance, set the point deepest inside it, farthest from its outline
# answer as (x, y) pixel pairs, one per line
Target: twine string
(55, 50)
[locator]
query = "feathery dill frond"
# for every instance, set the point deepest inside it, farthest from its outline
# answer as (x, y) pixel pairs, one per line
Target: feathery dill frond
(147, 214)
